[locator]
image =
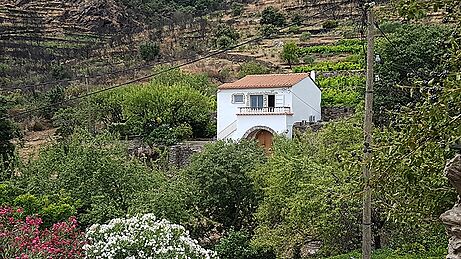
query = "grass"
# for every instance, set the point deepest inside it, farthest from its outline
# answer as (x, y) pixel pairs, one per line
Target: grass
(389, 254)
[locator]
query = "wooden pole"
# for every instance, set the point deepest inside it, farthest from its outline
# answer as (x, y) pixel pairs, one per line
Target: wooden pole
(367, 131)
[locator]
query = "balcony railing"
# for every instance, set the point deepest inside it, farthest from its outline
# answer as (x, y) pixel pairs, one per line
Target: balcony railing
(264, 110)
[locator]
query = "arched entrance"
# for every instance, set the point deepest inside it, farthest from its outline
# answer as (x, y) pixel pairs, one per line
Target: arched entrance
(264, 136)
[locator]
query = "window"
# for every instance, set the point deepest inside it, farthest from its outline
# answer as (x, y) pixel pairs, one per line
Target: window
(237, 98)
(256, 101)
(312, 118)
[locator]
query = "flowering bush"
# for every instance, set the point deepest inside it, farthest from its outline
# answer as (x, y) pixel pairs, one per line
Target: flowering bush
(24, 239)
(142, 237)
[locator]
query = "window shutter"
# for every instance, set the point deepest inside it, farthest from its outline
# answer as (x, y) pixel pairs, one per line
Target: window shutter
(279, 100)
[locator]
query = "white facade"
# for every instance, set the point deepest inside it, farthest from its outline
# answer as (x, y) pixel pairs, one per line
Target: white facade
(240, 109)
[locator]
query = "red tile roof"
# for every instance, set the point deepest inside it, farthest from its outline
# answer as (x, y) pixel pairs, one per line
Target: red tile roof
(266, 81)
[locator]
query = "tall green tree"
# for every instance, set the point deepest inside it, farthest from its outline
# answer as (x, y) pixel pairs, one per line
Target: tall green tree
(290, 53)
(226, 192)
(7, 133)
(413, 53)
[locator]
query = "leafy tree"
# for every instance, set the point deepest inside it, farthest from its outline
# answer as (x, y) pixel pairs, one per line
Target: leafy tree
(311, 188)
(237, 9)
(7, 133)
(415, 53)
(412, 153)
(268, 30)
(225, 36)
(273, 16)
(95, 171)
(173, 104)
(226, 192)
(290, 53)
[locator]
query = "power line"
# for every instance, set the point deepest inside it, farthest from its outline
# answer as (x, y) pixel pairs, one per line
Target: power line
(397, 51)
(78, 78)
(83, 77)
(304, 102)
(162, 71)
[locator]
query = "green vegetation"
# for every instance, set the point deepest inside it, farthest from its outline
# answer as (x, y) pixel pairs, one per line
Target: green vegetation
(237, 9)
(225, 36)
(273, 16)
(252, 68)
(149, 51)
(330, 24)
(389, 254)
(329, 66)
(7, 133)
(235, 198)
(342, 90)
(169, 109)
(416, 53)
(305, 36)
(324, 49)
(290, 53)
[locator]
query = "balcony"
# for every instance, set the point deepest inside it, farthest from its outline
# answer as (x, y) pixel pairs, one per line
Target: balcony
(264, 111)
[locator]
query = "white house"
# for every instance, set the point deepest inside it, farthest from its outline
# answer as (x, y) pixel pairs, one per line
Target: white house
(259, 106)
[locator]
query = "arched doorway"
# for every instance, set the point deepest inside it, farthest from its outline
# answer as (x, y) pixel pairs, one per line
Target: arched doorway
(263, 135)
(264, 138)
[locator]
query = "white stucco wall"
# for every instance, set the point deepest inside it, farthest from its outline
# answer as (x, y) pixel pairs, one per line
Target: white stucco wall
(277, 123)
(306, 101)
(227, 111)
(303, 98)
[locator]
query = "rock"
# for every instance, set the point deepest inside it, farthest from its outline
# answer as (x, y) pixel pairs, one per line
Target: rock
(452, 218)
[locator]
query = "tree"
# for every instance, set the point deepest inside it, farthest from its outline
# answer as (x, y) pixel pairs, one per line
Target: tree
(414, 53)
(271, 15)
(226, 192)
(225, 36)
(96, 172)
(7, 133)
(311, 188)
(290, 53)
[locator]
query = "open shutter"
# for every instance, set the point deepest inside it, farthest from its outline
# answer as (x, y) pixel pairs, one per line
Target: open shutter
(279, 100)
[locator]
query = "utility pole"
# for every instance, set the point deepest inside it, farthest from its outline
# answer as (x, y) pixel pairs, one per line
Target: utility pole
(367, 132)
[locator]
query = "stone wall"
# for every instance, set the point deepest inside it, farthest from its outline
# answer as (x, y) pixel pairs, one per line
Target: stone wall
(333, 113)
(452, 218)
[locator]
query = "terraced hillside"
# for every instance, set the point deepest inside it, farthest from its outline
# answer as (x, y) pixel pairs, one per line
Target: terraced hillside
(53, 40)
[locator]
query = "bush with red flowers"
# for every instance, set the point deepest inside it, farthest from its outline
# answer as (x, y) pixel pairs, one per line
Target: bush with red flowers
(23, 238)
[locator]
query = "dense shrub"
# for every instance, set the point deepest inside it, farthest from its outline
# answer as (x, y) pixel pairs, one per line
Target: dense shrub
(94, 171)
(342, 90)
(236, 245)
(294, 29)
(311, 188)
(225, 36)
(273, 16)
(268, 30)
(237, 8)
(415, 53)
(149, 51)
(226, 192)
(329, 66)
(252, 68)
(142, 237)
(172, 103)
(330, 24)
(7, 133)
(305, 36)
(25, 238)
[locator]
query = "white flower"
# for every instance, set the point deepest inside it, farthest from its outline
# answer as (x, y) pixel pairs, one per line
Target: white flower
(142, 237)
